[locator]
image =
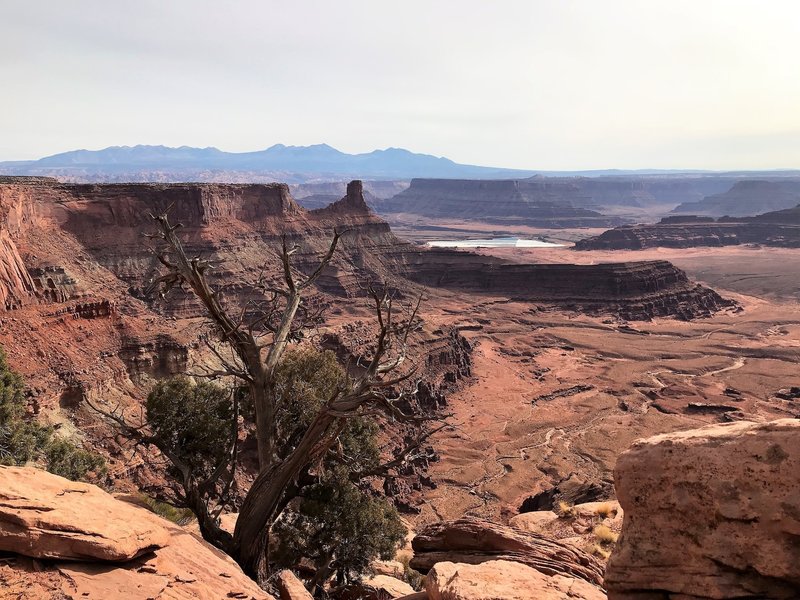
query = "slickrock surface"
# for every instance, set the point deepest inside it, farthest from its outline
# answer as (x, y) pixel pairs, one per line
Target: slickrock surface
(504, 580)
(710, 513)
(577, 526)
(474, 541)
(46, 516)
(187, 568)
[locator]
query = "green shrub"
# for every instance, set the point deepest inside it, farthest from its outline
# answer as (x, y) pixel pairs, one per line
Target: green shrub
(193, 420)
(23, 440)
(336, 521)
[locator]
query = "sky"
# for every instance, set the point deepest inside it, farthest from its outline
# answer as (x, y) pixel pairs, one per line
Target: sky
(529, 84)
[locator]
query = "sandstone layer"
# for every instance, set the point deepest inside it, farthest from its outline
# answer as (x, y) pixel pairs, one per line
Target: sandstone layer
(710, 513)
(633, 290)
(98, 547)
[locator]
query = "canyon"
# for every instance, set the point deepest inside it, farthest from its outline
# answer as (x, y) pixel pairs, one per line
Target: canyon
(550, 362)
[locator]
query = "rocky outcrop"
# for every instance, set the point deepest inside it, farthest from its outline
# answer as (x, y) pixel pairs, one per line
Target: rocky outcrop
(16, 284)
(504, 580)
(474, 541)
(572, 490)
(710, 513)
(99, 547)
(46, 516)
(291, 588)
(745, 198)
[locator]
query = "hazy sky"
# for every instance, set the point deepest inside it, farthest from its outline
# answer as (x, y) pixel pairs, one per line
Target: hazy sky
(558, 84)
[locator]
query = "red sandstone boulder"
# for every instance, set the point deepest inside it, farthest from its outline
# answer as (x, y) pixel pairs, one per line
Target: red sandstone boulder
(504, 580)
(46, 516)
(710, 513)
(291, 588)
(387, 587)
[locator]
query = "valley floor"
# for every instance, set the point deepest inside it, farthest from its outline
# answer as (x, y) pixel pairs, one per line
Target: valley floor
(557, 394)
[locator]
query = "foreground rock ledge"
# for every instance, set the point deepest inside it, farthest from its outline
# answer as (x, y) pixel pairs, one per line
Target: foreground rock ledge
(504, 580)
(710, 513)
(46, 516)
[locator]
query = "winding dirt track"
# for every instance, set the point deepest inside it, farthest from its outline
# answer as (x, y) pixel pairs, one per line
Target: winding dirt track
(502, 447)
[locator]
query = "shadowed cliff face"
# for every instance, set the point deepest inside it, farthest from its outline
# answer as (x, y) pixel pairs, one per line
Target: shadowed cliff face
(549, 201)
(745, 198)
(16, 218)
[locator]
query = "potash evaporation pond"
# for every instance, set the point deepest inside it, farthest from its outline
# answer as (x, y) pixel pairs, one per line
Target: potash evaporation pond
(503, 242)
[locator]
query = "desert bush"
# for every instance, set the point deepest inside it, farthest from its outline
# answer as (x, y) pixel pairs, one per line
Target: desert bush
(604, 535)
(565, 510)
(411, 576)
(605, 510)
(340, 527)
(192, 420)
(179, 516)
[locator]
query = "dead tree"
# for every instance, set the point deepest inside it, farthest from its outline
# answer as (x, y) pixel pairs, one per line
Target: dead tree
(258, 358)
(258, 337)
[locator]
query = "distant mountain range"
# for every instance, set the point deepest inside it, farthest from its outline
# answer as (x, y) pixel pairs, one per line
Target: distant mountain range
(285, 163)
(291, 164)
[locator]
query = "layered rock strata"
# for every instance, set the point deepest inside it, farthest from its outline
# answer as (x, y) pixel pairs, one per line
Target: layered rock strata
(744, 198)
(239, 229)
(634, 290)
(779, 229)
(537, 203)
(473, 541)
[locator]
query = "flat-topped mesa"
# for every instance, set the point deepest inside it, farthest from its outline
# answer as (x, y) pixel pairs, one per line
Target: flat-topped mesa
(779, 228)
(556, 204)
(638, 290)
(746, 198)
(239, 228)
(191, 204)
